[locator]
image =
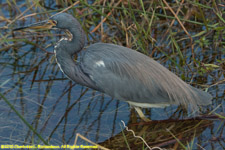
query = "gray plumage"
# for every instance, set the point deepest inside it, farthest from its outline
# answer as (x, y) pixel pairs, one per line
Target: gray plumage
(131, 76)
(121, 72)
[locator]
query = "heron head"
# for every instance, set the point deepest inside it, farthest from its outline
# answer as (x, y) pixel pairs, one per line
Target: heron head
(64, 21)
(60, 21)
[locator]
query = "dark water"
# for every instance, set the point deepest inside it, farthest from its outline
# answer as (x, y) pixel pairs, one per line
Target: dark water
(59, 108)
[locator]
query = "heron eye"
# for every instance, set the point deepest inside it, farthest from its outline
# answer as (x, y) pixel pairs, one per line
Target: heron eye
(54, 22)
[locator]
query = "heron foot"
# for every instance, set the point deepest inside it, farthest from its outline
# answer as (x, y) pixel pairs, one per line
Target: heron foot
(141, 114)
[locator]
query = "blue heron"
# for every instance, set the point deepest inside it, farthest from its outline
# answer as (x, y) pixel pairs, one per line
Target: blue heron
(118, 71)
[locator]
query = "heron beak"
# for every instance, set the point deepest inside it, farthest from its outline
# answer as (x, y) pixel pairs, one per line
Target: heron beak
(46, 24)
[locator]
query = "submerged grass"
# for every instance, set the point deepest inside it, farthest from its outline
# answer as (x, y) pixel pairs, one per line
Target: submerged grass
(185, 36)
(23, 119)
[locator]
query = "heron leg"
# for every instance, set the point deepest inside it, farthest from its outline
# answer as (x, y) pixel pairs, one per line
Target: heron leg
(141, 114)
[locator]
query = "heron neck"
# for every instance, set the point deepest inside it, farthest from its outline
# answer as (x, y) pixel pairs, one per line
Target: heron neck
(78, 40)
(64, 51)
(72, 69)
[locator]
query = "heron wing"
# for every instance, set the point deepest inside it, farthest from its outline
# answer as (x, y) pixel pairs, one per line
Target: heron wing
(131, 76)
